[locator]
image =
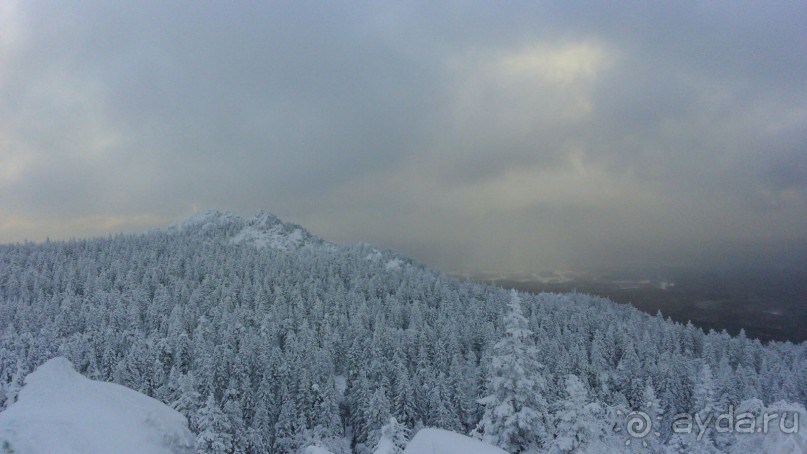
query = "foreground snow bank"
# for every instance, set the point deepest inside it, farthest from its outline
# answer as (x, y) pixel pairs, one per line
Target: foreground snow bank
(439, 441)
(60, 411)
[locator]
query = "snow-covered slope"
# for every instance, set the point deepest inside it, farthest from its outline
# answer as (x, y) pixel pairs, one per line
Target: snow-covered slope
(219, 310)
(60, 411)
(439, 441)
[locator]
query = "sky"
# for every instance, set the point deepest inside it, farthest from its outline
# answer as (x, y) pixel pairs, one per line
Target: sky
(474, 136)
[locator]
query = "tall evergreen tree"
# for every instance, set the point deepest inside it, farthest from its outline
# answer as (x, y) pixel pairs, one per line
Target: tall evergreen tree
(515, 417)
(214, 429)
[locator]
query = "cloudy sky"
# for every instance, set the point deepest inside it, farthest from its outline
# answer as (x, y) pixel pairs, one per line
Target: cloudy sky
(509, 136)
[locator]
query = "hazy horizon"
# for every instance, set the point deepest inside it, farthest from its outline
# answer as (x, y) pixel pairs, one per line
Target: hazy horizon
(516, 138)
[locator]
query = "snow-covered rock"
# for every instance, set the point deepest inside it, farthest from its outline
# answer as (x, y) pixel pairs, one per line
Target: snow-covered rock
(60, 411)
(265, 230)
(439, 441)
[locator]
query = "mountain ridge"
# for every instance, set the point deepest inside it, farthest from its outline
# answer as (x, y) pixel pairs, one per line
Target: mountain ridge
(264, 230)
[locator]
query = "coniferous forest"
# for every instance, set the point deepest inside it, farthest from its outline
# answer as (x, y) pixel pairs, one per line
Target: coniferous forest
(269, 339)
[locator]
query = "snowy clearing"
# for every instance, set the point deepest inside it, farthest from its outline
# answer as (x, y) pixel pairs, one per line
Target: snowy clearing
(439, 441)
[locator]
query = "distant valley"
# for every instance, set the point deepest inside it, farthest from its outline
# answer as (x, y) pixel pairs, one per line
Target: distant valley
(768, 304)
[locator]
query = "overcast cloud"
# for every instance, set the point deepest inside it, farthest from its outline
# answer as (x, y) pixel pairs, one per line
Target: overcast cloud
(471, 135)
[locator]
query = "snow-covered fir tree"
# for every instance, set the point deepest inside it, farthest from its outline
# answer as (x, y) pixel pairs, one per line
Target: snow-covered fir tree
(393, 438)
(581, 425)
(215, 431)
(515, 416)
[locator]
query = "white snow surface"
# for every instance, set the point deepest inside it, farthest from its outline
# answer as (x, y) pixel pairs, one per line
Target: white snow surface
(340, 381)
(385, 446)
(60, 411)
(439, 441)
(316, 450)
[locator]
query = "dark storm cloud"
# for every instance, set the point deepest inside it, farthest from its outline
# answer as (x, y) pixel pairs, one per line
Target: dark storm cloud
(471, 135)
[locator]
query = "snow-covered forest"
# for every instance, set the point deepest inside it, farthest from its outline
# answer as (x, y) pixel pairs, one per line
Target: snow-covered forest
(269, 339)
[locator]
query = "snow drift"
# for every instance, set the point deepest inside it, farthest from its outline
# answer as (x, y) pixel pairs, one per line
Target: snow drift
(439, 441)
(60, 411)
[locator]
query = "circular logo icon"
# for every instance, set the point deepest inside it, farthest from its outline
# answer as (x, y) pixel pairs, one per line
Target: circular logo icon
(638, 424)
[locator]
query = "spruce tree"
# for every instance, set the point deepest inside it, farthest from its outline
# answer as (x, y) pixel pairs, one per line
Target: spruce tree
(515, 416)
(580, 424)
(214, 429)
